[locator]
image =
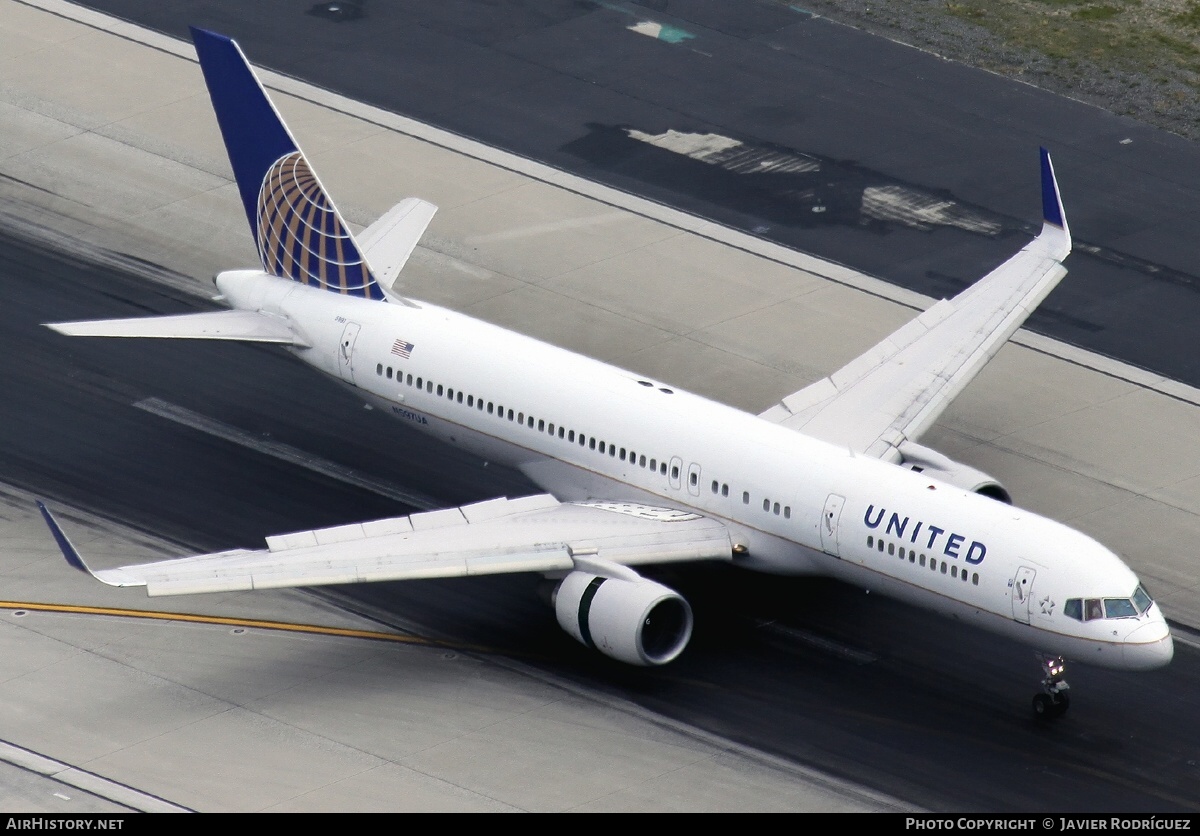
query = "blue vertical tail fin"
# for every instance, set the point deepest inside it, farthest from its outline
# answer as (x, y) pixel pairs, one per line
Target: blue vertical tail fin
(299, 232)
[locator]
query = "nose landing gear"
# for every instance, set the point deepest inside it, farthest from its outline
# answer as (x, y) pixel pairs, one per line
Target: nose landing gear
(1053, 700)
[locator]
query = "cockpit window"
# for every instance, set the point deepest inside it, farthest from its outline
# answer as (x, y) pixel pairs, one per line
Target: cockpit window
(1142, 599)
(1088, 609)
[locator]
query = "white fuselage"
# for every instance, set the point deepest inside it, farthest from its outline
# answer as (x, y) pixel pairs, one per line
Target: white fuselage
(582, 429)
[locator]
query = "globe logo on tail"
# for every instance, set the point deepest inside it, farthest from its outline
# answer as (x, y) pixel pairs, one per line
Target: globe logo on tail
(302, 237)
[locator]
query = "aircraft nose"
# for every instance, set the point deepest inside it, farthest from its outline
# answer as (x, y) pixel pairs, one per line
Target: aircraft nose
(1149, 646)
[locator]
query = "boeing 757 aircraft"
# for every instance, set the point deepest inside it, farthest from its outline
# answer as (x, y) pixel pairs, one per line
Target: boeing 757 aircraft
(832, 480)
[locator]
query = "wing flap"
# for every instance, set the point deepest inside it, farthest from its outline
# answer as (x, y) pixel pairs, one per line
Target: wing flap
(531, 534)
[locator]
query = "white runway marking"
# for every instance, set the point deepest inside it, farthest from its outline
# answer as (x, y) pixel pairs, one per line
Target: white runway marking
(285, 452)
(97, 785)
(544, 229)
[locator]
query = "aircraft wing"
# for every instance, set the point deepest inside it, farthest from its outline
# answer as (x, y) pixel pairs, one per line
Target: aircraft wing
(894, 392)
(529, 534)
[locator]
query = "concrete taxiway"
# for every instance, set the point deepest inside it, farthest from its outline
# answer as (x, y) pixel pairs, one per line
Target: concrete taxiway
(110, 145)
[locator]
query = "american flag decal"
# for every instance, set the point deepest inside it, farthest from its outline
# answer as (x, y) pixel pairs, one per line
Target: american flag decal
(402, 349)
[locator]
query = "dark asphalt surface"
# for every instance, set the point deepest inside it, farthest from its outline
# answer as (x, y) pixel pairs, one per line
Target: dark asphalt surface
(900, 701)
(564, 81)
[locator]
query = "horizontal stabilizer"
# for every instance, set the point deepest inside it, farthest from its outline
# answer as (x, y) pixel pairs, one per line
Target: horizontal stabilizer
(245, 326)
(529, 534)
(389, 241)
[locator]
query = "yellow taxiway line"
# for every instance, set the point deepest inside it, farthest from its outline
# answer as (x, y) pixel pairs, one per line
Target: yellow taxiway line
(250, 623)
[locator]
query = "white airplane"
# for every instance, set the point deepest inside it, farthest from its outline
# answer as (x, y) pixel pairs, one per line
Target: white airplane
(830, 481)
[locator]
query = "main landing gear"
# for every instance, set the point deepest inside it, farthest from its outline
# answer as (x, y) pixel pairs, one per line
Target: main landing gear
(1053, 700)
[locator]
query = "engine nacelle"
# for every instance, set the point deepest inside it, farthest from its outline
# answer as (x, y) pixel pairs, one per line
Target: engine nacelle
(627, 618)
(937, 466)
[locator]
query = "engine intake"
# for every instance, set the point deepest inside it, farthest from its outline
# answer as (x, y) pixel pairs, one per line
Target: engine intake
(944, 469)
(626, 617)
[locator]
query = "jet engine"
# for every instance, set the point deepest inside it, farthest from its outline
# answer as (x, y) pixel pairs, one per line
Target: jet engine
(937, 466)
(623, 615)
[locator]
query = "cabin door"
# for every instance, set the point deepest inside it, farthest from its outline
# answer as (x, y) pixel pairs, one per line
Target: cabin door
(830, 519)
(346, 352)
(1022, 593)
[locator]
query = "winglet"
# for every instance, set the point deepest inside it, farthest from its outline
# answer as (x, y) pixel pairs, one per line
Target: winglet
(1053, 216)
(68, 550)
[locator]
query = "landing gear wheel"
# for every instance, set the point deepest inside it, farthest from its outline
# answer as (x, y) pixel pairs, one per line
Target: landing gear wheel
(1054, 700)
(1043, 707)
(1064, 702)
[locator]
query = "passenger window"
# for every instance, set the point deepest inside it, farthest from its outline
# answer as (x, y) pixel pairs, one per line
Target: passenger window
(622, 454)
(724, 490)
(429, 386)
(902, 552)
(409, 381)
(489, 407)
(530, 422)
(379, 369)
(944, 564)
(470, 400)
(458, 397)
(602, 447)
(775, 509)
(870, 541)
(787, 512)
(675, 471)
(891, 548)
(561, 433)
(551, 428)
(389, 372)
(662, 468)
(449, 393)
(419, 384)
(714, 486)
(612, 450)
(591, 444)
(520, 417)
(745, 497)
(954, 572)
(653, 464)
(642, 461)
(439, 391)
(695, 479)
(921, 563)
(510, 415)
